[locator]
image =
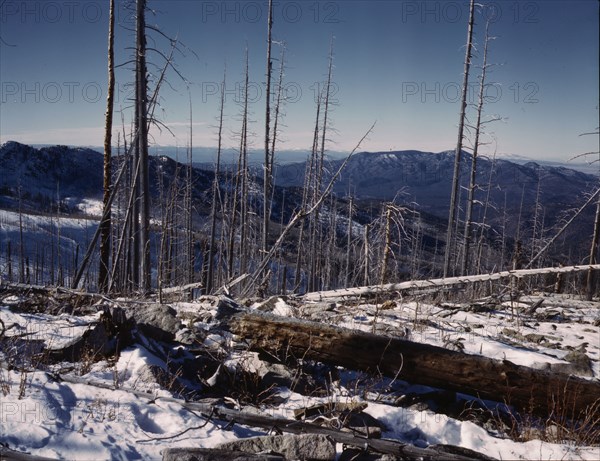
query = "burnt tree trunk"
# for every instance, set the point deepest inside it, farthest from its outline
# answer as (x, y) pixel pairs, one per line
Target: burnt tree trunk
(143, 279)
(106, 224)
(528, 389)
(461, 123)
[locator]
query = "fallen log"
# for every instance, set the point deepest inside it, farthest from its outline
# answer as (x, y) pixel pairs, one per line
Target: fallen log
(537, 391)
(212, 454)
(438, 283)
(179, 289)
(391, 447)
(210, 409)
(386, 446)
(6, 454)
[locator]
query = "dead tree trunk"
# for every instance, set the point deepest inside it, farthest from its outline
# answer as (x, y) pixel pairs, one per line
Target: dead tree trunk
(348, 242)
(461, 122)
(499, 380)
(88, 255)
(366, 250)
(317, 238)
(483, 223)
(268, 168)
(6, 454)
(245, 178)
(142, 144)
(412, 285)
(593, 254)
(307, 196)
(472, 185)
(216, 195)
(106, 223)
(188, 206)
(387, 245)
(21, 241)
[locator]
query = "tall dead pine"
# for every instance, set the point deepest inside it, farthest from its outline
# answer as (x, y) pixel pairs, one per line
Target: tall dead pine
(450, 237)
(106, 223)
(216, 195)
(268, 167)
(472, 185)
(142, 145)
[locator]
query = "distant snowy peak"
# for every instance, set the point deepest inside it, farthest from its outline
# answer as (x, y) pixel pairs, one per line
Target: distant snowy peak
(426, 177)
(46, 170)
(39, 177)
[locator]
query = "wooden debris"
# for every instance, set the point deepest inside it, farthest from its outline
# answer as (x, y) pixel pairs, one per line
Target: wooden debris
(528, 389)
(439, 283)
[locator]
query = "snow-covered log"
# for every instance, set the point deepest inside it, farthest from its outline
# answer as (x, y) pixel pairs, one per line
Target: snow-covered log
(443, 282)
(179, 289)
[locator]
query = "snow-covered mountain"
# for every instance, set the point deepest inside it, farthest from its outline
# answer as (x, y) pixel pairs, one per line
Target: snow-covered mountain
(42, 177)
(39, 176)
(424, 179)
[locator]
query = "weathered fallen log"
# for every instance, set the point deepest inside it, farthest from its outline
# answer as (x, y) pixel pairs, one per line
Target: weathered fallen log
(178, 289)
(421, 284)
(531, 390)
(211, 454)
(391, 447)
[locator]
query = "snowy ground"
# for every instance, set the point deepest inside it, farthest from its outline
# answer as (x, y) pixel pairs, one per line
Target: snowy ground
(57, 419)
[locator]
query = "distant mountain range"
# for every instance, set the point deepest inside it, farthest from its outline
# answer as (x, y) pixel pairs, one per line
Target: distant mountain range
(39, 177)
(204, 157)
(424, 180)
(419, 179)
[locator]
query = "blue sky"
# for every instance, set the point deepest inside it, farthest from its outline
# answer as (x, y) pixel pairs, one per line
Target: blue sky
(396, 62)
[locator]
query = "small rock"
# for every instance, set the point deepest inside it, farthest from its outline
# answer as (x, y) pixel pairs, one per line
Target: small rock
(513, 334)
(535, 338)
(190, 337)
(149, 374)
(270, 304)
(157, 321)
(364, 424)
(105, 339)
(312, 447)
(579, 364)
(226, 308)
(277, 375)
(277, 305)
